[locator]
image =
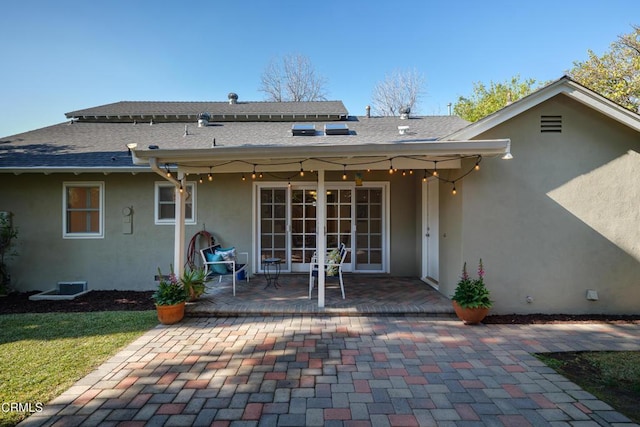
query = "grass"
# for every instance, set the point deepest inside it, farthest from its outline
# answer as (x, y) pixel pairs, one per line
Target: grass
(43, 354)
(613, 377)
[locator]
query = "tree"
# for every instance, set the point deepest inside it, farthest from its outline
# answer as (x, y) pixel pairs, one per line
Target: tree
(399, 90)
(486, 100)
(615, 74)
(292, 79)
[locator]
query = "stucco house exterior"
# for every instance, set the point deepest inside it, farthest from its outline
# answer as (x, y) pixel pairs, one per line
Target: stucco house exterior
(96, 198)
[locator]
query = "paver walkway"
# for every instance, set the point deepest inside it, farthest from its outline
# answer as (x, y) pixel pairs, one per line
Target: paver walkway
(341, 371)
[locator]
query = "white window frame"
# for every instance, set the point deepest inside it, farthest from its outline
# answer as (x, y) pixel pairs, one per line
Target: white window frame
(189, 186)
(100, 233)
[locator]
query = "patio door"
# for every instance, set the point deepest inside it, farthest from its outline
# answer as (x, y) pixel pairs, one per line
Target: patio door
(355, 216)
(430, 232)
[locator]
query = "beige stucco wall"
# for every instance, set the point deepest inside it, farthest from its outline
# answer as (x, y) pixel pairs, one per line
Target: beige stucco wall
(130, 261)
(560, 218)
(117, 261)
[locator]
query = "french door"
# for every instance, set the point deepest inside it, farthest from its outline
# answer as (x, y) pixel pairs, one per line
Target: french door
(355, 216)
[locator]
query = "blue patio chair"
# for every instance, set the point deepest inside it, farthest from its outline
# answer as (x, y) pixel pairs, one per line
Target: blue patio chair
(220, 262)
(332, 267)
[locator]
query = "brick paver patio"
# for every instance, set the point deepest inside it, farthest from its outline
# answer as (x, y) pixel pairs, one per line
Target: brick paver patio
(341, 371)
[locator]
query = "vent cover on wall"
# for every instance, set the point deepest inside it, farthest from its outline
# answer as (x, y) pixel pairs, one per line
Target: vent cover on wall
(551, 124)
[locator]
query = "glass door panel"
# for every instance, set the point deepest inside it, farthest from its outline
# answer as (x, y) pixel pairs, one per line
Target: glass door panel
(340, 220)
(369, 233)
(273, 223)
(303, 228)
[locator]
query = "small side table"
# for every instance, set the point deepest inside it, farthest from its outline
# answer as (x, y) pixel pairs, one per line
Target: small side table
(271, 268)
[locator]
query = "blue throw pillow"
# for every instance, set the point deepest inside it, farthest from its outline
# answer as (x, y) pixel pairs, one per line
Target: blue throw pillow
(216, 268)
(228, 254)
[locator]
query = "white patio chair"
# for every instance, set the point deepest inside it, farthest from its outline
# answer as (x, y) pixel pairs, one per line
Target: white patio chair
(221, 262)
(332, 268)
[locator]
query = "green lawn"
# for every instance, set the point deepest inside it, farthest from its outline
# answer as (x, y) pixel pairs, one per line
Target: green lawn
(43, 354)
(613, 377)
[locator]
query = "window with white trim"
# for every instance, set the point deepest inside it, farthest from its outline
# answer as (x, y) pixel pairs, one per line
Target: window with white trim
(83, 210)
(165, 203)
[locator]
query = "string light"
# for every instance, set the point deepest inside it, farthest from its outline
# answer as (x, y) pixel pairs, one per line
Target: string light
(301, 170)
(454, 192)
(435, 168)
(344, 172)
(200, 179)
(424, 178)
(404, 172)
(168, 171)
(390, 167)
(243, 177)
(181, 189)
(253, 174)
(210, 177)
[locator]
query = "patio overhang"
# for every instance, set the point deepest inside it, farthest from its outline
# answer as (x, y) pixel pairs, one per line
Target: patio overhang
(405, 155)
(319, 157)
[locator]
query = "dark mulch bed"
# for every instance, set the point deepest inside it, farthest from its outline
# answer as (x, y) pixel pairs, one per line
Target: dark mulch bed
(18, 302)
(559, 318)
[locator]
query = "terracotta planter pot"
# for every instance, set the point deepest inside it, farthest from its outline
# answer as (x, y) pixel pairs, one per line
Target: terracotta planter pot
(470, 316)
(170, 314)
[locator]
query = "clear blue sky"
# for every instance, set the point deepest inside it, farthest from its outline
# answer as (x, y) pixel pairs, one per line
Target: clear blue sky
(60, 56)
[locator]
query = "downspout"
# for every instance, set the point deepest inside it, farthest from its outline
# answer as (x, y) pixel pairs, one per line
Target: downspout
(178, 246)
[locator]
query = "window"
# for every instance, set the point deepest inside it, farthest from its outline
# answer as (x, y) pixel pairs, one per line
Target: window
(83, 210)
(165, 203)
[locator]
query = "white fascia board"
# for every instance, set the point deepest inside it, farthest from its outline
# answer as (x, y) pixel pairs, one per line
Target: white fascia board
(74, 170)
(431, 148)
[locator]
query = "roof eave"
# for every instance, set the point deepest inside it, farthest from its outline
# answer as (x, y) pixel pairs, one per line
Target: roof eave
(565, 86)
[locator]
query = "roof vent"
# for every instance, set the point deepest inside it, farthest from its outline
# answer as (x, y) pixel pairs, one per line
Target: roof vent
(551, 124)
(203, 119)
(404, 112)
(233, 98)
(403, 129)
(300, 129)
(336, 129)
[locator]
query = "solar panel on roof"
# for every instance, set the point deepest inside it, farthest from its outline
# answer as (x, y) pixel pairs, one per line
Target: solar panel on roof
(300, 129)
(336, 129)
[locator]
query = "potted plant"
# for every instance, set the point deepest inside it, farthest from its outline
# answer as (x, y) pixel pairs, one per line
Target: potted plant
(471, 300)
(8, 234)
(193, 279)
(170, 298)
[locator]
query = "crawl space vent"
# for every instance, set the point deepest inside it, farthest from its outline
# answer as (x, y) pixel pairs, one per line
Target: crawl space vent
(550, 124)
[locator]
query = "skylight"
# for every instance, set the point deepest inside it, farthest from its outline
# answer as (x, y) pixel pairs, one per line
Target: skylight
(336, 129)
(303, 129)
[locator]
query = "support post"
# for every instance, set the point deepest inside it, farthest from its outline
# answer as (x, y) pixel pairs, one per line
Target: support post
(321, 242)
(178, 248)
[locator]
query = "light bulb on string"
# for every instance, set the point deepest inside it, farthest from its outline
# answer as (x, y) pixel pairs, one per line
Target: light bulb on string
(344, 172)
(253, 174)
(301, 170)
(209, 176)
(454, 192)
(200, 179)
(424, 178)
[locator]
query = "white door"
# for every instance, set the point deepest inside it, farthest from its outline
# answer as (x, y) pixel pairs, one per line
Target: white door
(355, 216)
(430, 232)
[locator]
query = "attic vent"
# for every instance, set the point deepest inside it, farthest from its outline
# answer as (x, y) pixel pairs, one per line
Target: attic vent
(336, 129)
(303, 130)
(551, 124)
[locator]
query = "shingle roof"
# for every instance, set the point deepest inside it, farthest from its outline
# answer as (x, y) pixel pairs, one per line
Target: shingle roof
(172, 111)
(96, 144)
